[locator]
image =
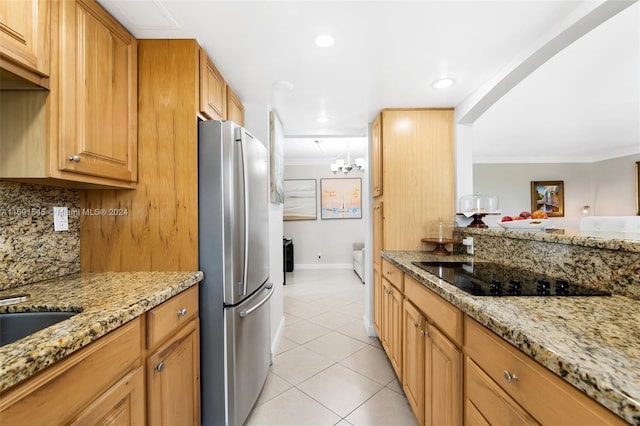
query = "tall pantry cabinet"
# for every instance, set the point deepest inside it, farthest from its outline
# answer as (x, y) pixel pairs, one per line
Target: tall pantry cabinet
(412, 178)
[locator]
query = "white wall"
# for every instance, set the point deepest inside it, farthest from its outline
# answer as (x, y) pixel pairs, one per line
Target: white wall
(614, 190)
(607, 186)
(324, 243)
(256, 119)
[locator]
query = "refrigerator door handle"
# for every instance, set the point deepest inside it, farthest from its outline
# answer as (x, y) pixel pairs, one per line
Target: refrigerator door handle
(254, 308)
(245, 191)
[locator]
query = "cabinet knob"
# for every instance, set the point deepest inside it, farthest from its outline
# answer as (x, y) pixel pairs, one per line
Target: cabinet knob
(416, 325)
(509, 377)
(74, 158)
(159, 367)
(423, 333)
(182, 312)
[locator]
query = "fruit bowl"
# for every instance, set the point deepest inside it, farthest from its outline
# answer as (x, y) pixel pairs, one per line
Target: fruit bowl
(525, 224)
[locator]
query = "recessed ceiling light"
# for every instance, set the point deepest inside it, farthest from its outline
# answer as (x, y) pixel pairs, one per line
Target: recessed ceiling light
(324, 40)
(283, 85)
(322, 119)
(443, 83)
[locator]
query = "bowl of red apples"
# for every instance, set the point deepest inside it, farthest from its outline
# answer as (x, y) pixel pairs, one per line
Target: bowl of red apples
(525, 221)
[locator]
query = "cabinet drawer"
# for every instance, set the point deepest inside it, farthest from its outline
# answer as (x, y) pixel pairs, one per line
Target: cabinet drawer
(536, 389)
(489, 400)
(392, 274)
(165, 319)
(441, 313)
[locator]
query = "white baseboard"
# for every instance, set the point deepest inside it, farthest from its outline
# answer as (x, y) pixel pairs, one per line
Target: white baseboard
(368, 327)
(323, 266)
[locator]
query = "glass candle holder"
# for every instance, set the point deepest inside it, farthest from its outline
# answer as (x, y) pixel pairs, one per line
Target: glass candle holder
(478, 203)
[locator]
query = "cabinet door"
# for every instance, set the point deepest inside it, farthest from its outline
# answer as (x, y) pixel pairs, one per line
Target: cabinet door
(377, 302)
(173, 380)
(213, 90)
(98, 93)
(378, 236)
(235, 109)
(413, 360)
(418, 158)
(123, 404)
(376, 157)
(443, 380)
(396, 300)
(25, 35)
(385, 322)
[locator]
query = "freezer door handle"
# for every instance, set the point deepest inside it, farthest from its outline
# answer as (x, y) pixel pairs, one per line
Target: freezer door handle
(245, 190)
(254, 308)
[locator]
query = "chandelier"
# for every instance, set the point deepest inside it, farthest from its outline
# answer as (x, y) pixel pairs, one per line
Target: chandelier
(340, 166)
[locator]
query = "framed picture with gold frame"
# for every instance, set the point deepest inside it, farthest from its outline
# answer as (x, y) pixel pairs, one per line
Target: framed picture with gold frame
(548, 196)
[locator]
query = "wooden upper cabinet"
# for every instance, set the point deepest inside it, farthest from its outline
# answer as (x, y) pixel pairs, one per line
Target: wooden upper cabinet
(235, 109)
(98, 93)
(376, 157)
(213, 90)
(418, 173)
(25, 41)
(83, 132)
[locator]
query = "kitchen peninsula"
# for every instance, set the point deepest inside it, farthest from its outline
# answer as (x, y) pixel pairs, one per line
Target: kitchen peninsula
(589, 343)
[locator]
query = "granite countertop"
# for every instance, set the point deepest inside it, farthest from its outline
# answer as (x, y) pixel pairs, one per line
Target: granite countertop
(105, 301)
(560, 236)
(592, 343)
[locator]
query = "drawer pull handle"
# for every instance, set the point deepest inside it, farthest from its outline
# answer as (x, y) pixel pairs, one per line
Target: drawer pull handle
(182, 312)
(160, 367)
(508, 377)
(74, 158)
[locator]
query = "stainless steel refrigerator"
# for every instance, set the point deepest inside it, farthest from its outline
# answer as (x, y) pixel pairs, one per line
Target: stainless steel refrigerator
(233, 199)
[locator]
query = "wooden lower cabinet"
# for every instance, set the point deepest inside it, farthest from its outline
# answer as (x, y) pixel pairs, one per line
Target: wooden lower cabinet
(392, 313)
(173, 361)
(432, 371)
(413, 361)
(443, 380)
(173, 379)
(122, 404)
(83, 387)
(486, 403)
(104, 383)
(377, 302)
(507, 387)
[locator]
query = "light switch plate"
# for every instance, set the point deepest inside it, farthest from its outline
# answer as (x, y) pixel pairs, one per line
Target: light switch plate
(60, 218)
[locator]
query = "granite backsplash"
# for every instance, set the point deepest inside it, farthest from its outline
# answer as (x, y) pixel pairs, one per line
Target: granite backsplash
(606, 264)
(30, 250)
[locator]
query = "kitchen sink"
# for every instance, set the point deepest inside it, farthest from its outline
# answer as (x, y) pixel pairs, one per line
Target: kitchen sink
(15, 326)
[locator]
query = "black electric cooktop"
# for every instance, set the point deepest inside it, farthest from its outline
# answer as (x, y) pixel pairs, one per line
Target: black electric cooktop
(492, 279)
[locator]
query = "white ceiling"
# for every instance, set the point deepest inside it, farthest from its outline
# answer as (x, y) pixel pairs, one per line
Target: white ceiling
(387, 54)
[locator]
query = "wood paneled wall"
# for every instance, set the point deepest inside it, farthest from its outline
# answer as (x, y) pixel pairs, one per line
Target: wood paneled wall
(160, 228)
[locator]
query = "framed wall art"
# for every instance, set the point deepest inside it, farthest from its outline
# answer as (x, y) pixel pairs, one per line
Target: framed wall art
(300, 199)
(341, 198)
(548, 196)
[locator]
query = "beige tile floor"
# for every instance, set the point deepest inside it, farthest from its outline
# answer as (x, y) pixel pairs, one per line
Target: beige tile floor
(326, 370)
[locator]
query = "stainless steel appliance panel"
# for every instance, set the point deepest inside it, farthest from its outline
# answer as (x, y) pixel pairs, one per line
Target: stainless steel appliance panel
(233, 249)
(248, 353)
